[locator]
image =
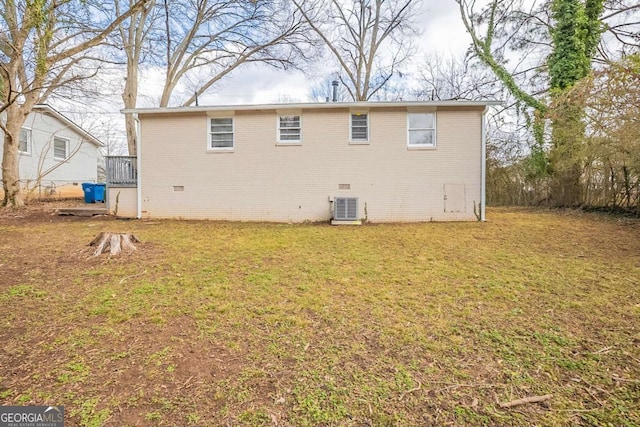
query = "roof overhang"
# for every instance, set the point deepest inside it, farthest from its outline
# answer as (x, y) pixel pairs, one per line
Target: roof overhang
(311, 106)
(47, 109)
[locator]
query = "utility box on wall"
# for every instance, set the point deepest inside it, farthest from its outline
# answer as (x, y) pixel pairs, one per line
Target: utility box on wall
(454, 198)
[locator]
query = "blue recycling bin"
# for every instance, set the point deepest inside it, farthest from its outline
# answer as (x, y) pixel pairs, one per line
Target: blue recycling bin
(99, 191)
(89, 192)
(94, 192)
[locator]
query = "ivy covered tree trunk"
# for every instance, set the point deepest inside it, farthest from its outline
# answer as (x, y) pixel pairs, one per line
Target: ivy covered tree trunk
(575, 38)
(574, 29)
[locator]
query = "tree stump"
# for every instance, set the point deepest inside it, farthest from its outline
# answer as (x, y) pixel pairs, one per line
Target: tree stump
(114, 243)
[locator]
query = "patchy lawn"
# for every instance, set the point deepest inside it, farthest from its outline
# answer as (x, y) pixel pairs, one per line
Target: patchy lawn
(305, 325)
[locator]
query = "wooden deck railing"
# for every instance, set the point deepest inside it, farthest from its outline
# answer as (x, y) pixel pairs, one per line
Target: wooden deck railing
(121, 171)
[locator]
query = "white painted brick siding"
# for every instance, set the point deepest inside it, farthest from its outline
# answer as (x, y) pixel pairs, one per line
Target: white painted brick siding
(263, 181)
(125, 198)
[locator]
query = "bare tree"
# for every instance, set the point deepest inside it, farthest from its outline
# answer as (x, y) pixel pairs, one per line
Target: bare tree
(505, 25)
(208, 39)
(44, 46)
(42, 173)
(622, 36)
(369, 39)
(198, 43)
(133, 38)
(442, 78)
(514, 39)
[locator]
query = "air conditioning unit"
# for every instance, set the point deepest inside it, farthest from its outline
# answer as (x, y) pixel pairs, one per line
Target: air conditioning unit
(345, 210)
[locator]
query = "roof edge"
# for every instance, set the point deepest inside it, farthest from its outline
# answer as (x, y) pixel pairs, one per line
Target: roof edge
(58, 115)
(310, 105)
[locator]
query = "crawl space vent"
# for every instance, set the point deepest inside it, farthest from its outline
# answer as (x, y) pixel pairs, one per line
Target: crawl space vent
(345, 209)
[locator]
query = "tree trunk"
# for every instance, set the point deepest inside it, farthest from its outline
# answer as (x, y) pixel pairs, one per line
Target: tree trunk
(167, 90)
(566, 189)
(614, 187)
(129, 96)
(114, 243)
(627, 187)
(133, 35)
(10, 159)
(567, 155)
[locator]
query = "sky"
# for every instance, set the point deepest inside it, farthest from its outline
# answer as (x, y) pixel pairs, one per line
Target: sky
(442, 31)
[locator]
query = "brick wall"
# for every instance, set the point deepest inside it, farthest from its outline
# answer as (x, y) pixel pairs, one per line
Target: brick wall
(261, 180)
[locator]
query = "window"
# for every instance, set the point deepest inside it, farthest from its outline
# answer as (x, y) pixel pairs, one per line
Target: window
(221, 133)
(24, 143)
(289, 129)
(60, 148)
(359, 127)
(422, 130)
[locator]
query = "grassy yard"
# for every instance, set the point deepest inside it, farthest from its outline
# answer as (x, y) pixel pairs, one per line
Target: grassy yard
(215, 324)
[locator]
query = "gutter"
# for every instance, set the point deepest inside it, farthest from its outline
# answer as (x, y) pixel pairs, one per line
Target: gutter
(483, 166)
(309, 105)
(139, 167)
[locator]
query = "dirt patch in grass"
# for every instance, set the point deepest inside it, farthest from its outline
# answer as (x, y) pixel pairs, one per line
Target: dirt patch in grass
(303, 325)
(44, 210)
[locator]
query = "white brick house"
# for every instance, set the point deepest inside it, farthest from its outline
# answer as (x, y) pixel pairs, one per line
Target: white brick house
(379, 161)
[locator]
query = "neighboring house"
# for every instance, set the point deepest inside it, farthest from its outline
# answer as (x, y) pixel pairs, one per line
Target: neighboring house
(379, 161)
(54, 151)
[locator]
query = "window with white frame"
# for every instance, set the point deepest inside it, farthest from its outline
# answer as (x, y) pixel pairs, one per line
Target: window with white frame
(421, 129)
(289, 129)
(359, 127)
(221, 133)
(60, 148)
(24, 142)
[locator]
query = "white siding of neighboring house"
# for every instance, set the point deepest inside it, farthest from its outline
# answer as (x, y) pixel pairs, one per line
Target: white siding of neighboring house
(261, 180)
(80, 167)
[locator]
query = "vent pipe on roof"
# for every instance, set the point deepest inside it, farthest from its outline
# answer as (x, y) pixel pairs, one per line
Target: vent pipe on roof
(334, 97)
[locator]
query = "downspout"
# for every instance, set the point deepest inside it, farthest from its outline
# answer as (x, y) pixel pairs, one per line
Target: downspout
(139, 167)
(483, 166)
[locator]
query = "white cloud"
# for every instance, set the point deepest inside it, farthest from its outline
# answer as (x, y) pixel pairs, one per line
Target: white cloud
(258, 85)
(444, 31)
